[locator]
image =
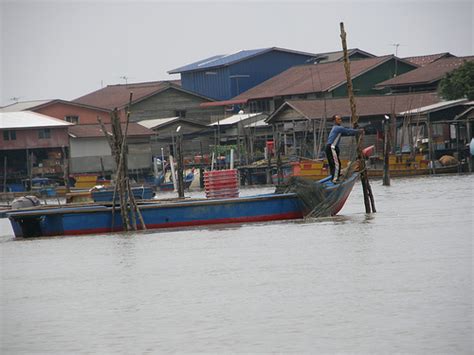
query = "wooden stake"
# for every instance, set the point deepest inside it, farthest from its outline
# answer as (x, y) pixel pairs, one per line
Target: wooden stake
(367, 190)
(65, 169)
(179, 151)
(118, 146)
(5, 159)
(386, 153)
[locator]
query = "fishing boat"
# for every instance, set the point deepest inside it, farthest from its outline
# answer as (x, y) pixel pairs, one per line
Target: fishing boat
(104, 218)
(403, 165)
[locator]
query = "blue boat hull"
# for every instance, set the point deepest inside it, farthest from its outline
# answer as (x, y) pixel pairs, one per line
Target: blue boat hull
(180, 213)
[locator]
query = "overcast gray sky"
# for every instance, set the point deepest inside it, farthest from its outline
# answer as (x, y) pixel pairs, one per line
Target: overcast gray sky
(65, 49)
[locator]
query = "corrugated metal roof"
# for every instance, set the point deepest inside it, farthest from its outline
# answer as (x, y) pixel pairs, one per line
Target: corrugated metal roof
(223, 103)
(339, 55)
(259, 123)
(365, 105)
(219, 60)
(113, 96)
(423, 60)
(23, 105)
(428, 74)
(435, 107)
(150, 124)
(95, 130)
(234, 119)
(29, 119)
(227, 59)
(309, 78)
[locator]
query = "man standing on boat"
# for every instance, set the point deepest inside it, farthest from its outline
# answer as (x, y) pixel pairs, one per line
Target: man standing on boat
(332, 146)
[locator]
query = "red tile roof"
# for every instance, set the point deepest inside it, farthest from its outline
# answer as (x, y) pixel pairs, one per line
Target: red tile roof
(365, 105)
(95, 131)
(310, 78)
(428, 74)
(423, 60)
(113, 96)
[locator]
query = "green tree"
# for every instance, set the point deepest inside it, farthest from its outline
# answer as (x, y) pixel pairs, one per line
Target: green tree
(459, 83)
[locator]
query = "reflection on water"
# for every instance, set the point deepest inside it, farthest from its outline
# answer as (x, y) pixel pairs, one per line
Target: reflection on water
(397, 281)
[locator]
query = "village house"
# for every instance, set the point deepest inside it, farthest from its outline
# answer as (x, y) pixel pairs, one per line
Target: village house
(154, 101)
(248, 132)
(61, 109)
(32, 144)
(198, 138)
(303, 124)
(338, 56)
(151, 100)
(313, 81)
(443, 128)
(422, 60)
(425, 78)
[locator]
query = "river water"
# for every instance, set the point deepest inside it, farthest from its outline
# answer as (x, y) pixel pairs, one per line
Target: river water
(398, 281)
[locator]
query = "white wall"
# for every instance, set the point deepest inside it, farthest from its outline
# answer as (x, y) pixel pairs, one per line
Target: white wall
(89, 147)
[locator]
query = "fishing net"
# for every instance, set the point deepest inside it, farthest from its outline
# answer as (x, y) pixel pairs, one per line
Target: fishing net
(310, 193)
(319, 200)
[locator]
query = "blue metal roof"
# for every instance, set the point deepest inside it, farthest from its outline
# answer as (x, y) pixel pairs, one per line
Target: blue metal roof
(225, 59)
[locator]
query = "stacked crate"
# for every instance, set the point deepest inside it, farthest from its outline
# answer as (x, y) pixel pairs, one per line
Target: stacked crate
(221, 183)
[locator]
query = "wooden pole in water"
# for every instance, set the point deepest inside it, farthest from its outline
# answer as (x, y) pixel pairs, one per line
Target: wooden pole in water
(118, 146)
(386, 151)
(279, 163)
(430, 145)
(367, 190)
(65, 169)
(5, 159)
(173, 174)
(179, 156)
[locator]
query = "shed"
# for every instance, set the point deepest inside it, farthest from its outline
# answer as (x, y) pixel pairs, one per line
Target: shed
(198, 136)
(90, 150)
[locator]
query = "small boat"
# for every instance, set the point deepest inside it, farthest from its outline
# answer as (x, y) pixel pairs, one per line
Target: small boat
(403, 165)
(103, 218)
(107, 194)
(163, 185)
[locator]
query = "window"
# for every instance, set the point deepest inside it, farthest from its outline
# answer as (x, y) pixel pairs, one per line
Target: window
(44, 133)
(9, 135)
(180, 113)
(72, 119)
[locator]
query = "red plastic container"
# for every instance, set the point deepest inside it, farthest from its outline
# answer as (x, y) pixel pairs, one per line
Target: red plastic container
(221, 183)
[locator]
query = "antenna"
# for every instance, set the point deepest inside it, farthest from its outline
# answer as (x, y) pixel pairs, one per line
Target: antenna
(396, 45)
(124, 77)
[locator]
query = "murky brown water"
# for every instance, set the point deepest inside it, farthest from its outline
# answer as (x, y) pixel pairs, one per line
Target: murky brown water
(398, 281)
